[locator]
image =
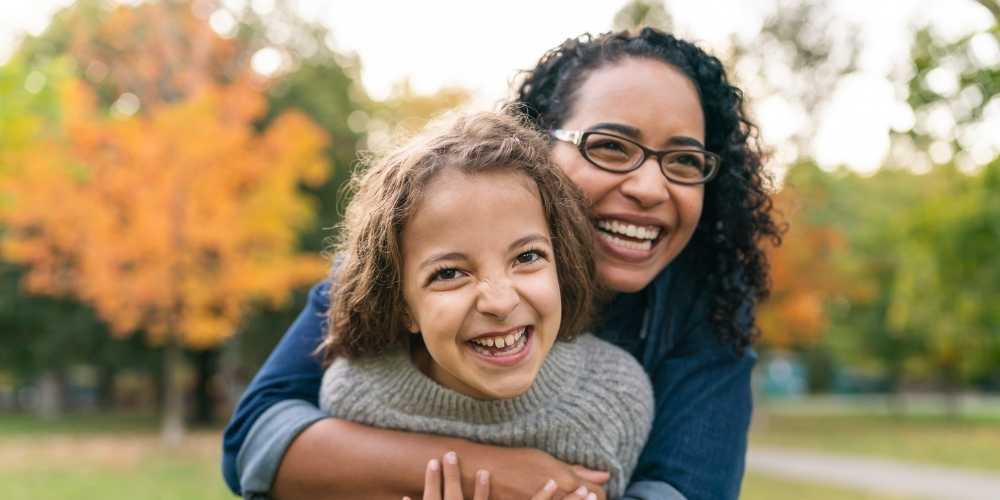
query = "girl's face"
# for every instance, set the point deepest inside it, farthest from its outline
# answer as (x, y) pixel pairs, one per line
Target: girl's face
(479, 282)
(656, 105)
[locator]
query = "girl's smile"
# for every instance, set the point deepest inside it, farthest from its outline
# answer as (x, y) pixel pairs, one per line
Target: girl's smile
(503, 348)
(480, 282)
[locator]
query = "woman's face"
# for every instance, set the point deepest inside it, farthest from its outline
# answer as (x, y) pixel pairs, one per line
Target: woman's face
(656, 105)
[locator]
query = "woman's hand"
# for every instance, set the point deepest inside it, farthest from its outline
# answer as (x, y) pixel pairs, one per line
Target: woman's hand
(517, 473)
(449, 487)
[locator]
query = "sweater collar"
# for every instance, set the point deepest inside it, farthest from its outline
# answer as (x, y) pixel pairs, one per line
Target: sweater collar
(401, 383)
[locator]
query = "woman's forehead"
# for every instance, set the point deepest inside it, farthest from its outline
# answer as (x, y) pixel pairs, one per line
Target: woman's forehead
(651, 96)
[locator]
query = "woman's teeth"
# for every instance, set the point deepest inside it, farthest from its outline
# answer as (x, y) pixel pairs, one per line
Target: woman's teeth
(643, 245)
(628, 235)
(500, 344)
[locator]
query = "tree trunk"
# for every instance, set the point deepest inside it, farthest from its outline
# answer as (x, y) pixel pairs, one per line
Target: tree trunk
(106, 376)
(206, 362)
(50, 396)
(173, 400)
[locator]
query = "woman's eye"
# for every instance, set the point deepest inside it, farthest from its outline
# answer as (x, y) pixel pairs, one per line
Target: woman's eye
(607, 146)
(690, 160)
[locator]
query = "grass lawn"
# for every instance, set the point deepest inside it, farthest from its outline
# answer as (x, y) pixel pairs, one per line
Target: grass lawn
(119, 457)
(972, 443)
(110, 467)
(761, 487)
(110, 457)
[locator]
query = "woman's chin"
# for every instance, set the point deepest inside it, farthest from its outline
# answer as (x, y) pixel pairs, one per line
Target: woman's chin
(622, 279)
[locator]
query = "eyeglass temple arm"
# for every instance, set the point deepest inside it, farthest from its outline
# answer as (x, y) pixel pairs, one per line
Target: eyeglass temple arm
(567, 135)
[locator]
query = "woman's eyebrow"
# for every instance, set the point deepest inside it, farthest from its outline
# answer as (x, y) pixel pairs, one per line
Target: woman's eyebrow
(634, 133)
(621, 128)
(683, 140)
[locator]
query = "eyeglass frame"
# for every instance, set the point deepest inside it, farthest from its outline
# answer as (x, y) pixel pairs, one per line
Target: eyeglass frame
(578, 138)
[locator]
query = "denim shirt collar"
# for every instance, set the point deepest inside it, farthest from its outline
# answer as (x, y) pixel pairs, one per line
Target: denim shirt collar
(635, 321)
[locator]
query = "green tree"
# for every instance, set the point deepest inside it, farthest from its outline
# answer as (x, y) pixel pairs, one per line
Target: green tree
(638, 14)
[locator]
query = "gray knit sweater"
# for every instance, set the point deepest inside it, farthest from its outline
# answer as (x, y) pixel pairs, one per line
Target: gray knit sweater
(591, 404)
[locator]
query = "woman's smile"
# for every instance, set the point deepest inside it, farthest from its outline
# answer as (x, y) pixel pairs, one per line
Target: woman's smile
(642, 220)
(629, 237)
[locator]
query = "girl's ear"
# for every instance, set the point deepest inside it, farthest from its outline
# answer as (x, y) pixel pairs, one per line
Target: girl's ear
(409, 323)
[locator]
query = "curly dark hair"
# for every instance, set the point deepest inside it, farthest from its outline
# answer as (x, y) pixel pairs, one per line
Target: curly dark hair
(737, 215)
(366, 315)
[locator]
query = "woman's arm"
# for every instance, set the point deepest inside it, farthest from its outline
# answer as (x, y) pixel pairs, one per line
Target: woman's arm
(281, 402)
(388, 464)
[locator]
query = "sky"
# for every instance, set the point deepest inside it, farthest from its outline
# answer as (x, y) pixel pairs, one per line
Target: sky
(480, 45)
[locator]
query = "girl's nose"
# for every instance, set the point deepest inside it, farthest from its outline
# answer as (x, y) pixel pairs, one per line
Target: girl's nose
(497, 298)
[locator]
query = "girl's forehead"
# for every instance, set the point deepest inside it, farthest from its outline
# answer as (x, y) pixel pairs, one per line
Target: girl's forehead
(453, 180)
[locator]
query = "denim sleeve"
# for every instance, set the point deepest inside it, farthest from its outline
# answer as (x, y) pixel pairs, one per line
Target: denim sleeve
(652, 490)
(703, 408)
(290, 372)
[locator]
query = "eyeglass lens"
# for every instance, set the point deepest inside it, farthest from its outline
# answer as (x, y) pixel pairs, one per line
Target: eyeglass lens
(615, 153)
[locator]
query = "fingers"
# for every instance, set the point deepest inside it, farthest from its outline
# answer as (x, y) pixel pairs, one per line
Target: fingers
(482, 486)
(547, 492)
(581, 493)
(432, 481)
(597, 477)
(452, 477)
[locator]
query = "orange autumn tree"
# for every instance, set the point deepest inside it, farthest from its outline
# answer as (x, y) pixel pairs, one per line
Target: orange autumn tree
(803, 278)
(172, 219)
(170, 222)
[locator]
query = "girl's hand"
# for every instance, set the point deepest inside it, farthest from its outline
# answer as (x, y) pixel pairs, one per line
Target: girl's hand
(452, 487)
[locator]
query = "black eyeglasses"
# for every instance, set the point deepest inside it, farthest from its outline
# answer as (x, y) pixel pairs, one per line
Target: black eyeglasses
(613, 153)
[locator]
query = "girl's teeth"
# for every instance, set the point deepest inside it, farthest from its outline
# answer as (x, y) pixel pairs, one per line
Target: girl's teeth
(518, 341)
(500, 341)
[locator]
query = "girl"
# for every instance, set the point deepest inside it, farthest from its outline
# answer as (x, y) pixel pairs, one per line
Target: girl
(683, 307)
(464, 256)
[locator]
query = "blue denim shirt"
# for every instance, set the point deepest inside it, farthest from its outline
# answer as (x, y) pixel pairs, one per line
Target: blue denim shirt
(696, 449)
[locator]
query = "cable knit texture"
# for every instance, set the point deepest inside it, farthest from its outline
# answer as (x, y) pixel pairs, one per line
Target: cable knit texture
(591, 404)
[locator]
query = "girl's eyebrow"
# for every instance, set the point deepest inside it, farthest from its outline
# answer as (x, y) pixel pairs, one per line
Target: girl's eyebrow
(533, 237)
(528, 239)
(433, 259)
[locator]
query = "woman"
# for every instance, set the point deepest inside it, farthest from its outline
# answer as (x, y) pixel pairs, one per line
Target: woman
(682, 254)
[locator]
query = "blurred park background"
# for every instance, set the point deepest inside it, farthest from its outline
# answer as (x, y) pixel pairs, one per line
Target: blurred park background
(168, 169)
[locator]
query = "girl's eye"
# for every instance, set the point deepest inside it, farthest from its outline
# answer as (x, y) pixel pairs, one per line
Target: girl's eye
(530, 256)
(448, 273)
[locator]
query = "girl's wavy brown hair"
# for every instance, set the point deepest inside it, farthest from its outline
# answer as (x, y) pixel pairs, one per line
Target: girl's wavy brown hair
(367, 311)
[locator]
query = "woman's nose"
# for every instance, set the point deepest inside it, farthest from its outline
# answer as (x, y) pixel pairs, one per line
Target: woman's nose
(497, 298)
(646, 185)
